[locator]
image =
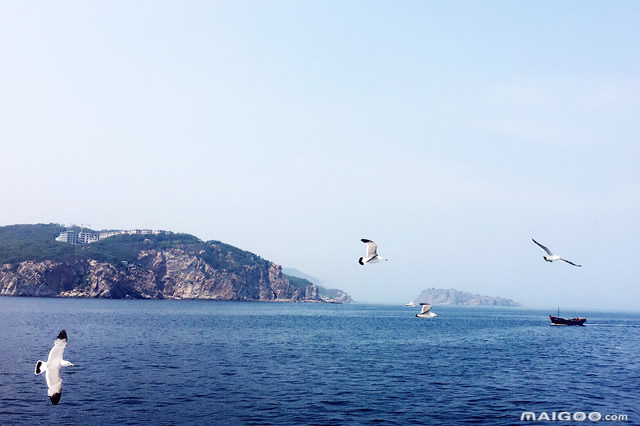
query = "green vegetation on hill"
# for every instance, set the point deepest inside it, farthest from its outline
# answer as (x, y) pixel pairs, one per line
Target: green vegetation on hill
(120, 248)
(33, 242)
(298, 282)
(229, 258)
(20, 243)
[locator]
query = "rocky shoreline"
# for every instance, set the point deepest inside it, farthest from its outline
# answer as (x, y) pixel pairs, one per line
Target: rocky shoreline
(160, 268)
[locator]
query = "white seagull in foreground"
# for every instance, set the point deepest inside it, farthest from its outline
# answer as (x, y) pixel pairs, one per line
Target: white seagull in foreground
(372, 253)
(426, 311)
(552, 257)
(52, 367)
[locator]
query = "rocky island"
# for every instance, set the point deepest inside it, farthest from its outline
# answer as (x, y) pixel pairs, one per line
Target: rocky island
(439, 296)
(151, 266)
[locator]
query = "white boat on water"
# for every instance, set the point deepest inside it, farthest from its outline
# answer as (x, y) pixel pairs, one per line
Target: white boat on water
(410, 304)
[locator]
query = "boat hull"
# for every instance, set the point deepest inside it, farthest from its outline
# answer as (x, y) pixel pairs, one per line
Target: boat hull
(563, 321)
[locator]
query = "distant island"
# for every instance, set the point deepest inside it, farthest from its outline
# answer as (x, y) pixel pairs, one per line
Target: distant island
(439, 296)
(49, 260)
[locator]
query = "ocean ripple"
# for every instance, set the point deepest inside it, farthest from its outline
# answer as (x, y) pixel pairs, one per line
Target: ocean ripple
(204, 362)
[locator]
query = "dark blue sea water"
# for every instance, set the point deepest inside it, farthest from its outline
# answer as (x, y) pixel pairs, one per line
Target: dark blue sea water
(205, 362)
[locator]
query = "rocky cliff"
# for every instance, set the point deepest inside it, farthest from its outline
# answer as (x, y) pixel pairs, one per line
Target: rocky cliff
(439, 296)
(155, 268)
(333, 295)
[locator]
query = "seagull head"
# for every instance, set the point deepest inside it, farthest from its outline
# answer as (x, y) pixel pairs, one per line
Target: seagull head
(66, 363)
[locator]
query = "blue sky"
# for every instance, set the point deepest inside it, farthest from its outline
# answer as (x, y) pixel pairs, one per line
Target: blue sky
(449, 132)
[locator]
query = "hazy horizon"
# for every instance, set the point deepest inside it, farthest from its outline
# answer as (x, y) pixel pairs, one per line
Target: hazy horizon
(449, 133)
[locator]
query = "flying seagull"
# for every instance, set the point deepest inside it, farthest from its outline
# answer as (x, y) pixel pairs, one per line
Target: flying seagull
(52, 367)
(372, 253)
(552, 257)
(426, 311)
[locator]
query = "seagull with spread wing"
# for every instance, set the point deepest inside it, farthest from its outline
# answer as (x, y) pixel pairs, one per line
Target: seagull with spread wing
(53, 366)
(425, 312)
(552, 257)
(372, 253)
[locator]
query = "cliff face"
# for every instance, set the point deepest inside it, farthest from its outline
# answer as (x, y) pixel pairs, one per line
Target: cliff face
(335, 295)
(438, 296)
(169, 273)
(332, 295)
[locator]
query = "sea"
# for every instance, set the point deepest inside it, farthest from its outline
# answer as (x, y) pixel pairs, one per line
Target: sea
(166, 362)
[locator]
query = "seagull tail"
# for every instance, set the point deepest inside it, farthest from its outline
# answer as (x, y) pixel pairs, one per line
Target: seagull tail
(41, 367)
(55, 398)
(361, 261)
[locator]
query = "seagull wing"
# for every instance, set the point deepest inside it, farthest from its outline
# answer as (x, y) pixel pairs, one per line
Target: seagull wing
(372, 248)
(570, 263)
(425, 308)
(543, 247)
(54, 364)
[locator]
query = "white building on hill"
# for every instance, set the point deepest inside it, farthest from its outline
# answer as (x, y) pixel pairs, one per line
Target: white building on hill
(69, 237)
(73, 237)
(87, 237)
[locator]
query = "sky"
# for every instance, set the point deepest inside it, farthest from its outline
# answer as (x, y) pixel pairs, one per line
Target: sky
(451, 133)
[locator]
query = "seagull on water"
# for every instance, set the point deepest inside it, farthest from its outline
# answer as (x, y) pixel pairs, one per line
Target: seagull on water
(52, 367)
(426, 311)
(372, 253)
(552, 257)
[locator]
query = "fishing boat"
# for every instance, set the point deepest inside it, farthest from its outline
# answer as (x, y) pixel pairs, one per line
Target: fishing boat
(563, 321)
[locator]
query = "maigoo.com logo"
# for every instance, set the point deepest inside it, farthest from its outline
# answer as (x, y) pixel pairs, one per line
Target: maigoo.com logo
(578, 416)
